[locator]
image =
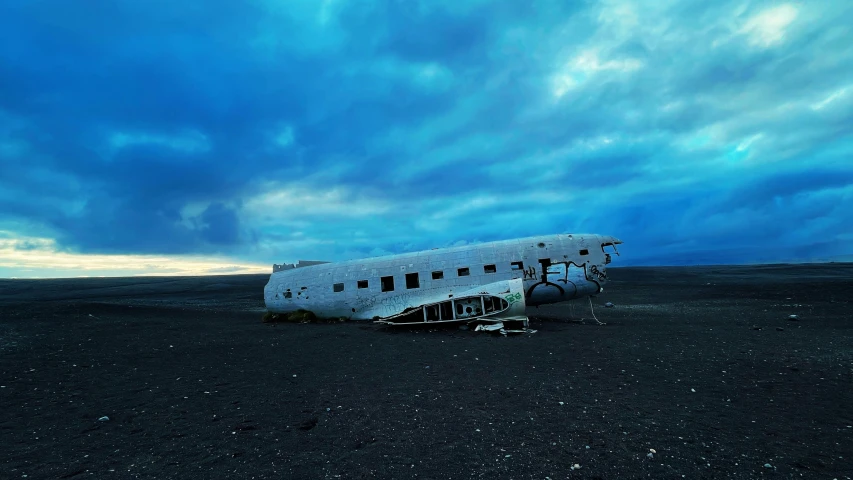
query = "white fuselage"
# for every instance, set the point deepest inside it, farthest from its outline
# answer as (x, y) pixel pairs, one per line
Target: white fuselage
(554, 268)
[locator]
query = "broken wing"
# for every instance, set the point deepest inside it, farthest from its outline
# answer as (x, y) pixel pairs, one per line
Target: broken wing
(493, 302)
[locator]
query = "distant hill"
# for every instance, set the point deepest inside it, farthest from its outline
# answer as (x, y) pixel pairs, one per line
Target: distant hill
(729, 257)
(836, 258)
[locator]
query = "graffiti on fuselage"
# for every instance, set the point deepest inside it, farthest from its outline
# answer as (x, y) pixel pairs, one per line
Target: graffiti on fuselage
(387, 305)
(513, 297)
(551, 272)
(557, 275)
(593, 269)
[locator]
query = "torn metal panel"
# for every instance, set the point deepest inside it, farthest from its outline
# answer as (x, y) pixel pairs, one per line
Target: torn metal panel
(493, 327)
(299, 264)
(489, 303)
(506, 327)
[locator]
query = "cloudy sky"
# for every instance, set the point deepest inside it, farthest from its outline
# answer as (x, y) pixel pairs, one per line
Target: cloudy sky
(214, 136)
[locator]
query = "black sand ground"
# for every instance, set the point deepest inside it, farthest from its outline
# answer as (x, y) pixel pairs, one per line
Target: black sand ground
(700, 364)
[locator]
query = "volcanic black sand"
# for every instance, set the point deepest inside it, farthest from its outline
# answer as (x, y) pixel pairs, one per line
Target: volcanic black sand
(702, 365)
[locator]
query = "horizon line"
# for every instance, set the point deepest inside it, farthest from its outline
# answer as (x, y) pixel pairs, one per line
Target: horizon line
(708, 265)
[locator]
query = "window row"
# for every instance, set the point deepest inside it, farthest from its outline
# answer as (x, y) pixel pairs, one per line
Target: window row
(413, 280)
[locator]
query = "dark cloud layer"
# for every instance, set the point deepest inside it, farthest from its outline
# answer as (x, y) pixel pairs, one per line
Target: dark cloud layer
(697, 132)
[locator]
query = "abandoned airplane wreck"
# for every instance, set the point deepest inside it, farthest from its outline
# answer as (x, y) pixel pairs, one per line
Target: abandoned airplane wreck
(490, 282)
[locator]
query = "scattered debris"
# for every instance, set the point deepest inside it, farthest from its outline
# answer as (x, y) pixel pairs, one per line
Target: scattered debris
(494, 327)
(608, 305)
(505, 327)
(104, 419)
(575, 467)
(653, 450)
(767, 465)
(650, 455)
(793, 317)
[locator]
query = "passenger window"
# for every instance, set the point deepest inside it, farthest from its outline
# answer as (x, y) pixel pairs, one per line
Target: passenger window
(338, 287)
(387, 284)
(412, 280)
(362, 284)
(437, 275)
(489, 269)
(517, 265)
(584, 252)
(463, 272)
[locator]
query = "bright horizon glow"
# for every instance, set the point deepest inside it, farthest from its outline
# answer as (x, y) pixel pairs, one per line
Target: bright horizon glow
(39, 258)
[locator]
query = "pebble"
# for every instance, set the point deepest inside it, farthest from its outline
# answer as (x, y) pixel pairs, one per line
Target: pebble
(767, 465)
(104, 419)
(608, 305)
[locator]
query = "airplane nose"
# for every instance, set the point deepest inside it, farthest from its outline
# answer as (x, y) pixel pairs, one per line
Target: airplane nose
(609, 240)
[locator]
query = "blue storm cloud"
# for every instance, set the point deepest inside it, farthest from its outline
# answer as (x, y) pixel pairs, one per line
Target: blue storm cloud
(269, 130)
